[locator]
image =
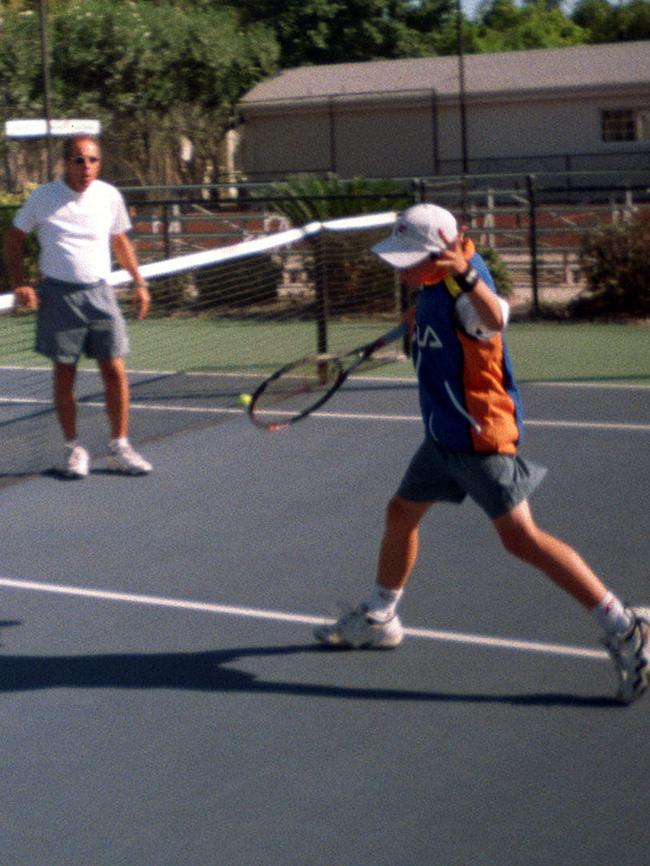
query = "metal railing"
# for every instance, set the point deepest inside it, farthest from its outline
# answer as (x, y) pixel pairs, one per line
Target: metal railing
(535, 223)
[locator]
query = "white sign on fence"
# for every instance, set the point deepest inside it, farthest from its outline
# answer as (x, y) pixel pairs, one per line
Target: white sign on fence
(37, 128)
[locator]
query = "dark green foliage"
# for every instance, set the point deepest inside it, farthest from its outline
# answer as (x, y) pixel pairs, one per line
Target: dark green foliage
(615, 260)
(304, 197)
(351, 277)
(498, 270)
(9, 205)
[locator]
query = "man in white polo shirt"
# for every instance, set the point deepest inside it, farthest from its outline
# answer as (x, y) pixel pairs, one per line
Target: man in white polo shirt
(78, 221)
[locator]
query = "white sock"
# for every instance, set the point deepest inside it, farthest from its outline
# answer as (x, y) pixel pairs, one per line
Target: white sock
(382, 603)
(71, 444)
(611, 616)
(116, 444)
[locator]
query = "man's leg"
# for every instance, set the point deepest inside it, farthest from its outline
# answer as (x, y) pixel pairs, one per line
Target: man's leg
(64, 399)
(76, 463)
(121, 456)
(116, 394)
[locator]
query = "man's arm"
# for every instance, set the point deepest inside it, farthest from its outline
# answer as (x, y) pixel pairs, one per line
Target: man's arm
(126, 257)
(14, 251)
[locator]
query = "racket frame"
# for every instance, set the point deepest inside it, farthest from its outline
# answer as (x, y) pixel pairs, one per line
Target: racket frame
(357, 357)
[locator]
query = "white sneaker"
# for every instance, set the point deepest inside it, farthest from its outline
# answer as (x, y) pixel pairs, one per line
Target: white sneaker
(127, 461)
(76, 463)
(356, 630)
(631, 655)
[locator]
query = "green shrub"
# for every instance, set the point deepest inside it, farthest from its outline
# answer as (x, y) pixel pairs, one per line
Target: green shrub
(498, 269)
(615, 260)
(305, 197)
(9, 205)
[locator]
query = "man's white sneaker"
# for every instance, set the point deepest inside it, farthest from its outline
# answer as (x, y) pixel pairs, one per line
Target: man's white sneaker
(127, 461)
(76, 463)
(631, 655)
(357, 630)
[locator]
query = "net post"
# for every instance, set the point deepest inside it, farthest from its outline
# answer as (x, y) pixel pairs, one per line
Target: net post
(404, 299)
(531, 187)
(322, 294)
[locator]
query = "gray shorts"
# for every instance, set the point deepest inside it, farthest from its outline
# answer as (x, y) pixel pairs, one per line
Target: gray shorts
(79, 318)
(496, 482)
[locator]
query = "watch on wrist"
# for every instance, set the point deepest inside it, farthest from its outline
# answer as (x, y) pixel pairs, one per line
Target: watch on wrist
(468, 279)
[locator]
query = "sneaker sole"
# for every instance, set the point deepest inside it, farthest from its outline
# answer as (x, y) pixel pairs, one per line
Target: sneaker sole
(123, 470)
(391, 643)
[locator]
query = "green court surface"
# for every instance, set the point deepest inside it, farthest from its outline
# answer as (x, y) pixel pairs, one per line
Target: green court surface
(582, 352)
(540, 351)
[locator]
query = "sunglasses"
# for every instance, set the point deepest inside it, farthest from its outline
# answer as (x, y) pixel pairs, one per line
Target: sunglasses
(82, 160)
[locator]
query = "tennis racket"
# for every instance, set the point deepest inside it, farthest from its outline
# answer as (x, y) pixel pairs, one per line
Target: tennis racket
(296, 390)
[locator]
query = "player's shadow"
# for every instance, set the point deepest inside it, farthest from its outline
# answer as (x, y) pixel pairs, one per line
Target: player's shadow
(212, 671)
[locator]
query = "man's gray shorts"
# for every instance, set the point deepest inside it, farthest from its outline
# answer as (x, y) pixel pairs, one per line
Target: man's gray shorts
(496, 482)
(79, 318)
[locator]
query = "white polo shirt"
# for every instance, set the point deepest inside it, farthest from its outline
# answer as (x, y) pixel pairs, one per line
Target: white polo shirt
(74, 229)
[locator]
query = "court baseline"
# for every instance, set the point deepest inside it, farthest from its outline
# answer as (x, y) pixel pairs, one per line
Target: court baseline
(281, 616)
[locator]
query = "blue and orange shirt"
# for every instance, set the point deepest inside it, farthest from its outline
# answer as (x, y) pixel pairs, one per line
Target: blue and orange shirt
(468, 395)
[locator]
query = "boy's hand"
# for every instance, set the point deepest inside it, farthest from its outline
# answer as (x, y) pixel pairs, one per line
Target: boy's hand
(453, 257)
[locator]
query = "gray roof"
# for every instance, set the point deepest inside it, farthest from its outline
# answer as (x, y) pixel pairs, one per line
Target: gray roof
(618, 65)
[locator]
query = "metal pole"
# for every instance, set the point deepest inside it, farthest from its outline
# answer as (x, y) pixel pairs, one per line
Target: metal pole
(463, 108)
(45, 69)
(532, 239)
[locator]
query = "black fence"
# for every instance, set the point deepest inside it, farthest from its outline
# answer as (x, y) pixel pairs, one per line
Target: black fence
(534, 222)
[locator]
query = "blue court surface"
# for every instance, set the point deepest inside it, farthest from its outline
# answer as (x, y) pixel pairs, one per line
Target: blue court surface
(164, 703)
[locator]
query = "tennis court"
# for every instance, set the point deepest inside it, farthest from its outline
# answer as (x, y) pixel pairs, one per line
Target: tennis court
(164, 702)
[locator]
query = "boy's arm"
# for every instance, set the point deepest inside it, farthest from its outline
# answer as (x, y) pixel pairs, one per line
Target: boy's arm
(485, 301)
(14, 251)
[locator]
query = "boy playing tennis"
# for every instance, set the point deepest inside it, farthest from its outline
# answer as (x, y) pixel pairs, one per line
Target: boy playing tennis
(472, 416)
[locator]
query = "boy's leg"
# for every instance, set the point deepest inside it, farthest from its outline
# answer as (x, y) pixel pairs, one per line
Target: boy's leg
(522, 537)
(375, 623)
(399, 547)
(627, 629)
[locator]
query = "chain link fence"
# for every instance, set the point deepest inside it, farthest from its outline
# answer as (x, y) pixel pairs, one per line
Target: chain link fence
(535, 223)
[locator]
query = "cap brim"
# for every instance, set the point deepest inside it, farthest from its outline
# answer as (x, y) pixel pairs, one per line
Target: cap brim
(400, 255)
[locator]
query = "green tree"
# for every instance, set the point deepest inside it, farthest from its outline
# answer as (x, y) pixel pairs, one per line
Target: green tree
(151, 72)
(605, 22)
(504, 26)
(335, 31)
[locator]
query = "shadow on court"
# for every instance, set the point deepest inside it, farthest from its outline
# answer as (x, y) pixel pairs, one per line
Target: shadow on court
(208, 672)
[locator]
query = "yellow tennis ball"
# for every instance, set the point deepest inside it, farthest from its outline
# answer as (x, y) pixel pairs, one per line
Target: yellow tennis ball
(246, 399)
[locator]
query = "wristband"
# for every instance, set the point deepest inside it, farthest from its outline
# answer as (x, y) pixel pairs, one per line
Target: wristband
(468, 280)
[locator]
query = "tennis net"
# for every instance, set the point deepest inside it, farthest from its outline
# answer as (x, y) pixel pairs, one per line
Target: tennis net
(221, 320)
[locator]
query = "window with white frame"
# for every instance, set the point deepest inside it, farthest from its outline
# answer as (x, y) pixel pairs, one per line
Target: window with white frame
(625, 124)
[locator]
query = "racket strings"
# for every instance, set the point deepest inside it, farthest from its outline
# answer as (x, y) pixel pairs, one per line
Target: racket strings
(296, 389)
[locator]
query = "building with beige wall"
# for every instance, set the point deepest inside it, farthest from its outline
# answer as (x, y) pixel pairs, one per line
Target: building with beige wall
(584, 108)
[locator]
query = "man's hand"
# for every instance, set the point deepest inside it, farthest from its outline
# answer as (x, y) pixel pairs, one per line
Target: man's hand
(26, 297)
(141, 300)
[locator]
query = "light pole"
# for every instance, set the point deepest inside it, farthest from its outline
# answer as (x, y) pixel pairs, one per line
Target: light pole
(460, 42)
(45, 70)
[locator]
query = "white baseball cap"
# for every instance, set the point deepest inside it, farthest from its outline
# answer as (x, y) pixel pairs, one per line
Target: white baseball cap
(416, 234)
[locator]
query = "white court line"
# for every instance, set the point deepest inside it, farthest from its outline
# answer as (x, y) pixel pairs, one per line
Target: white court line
(339, 416)
(304, 619)
(623, 386)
